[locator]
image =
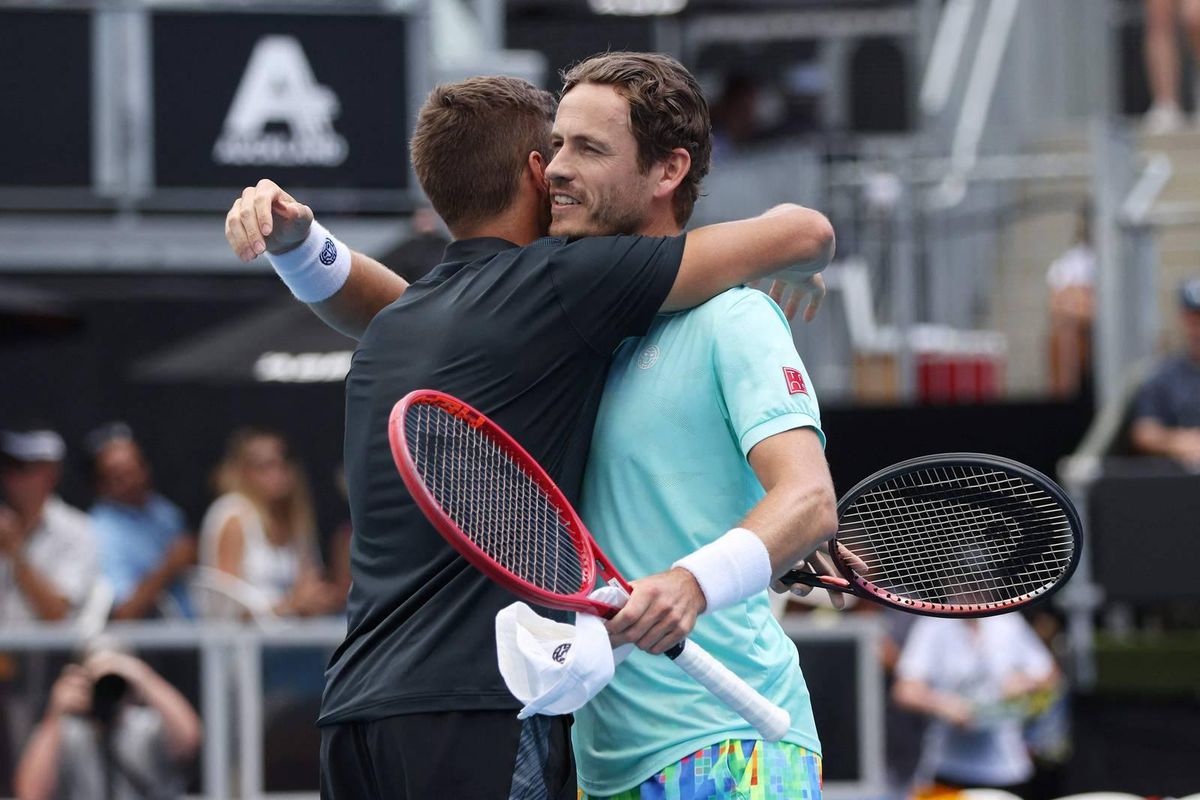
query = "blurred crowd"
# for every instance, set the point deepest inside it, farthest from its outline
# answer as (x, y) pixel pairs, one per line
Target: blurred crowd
(132, 554)
(112, 726)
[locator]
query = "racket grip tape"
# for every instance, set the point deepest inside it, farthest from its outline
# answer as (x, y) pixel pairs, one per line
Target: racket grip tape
(767, 718)
(795, 576)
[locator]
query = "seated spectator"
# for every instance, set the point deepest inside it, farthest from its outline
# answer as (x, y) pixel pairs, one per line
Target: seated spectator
(1072, 282)
(977, 680)
(111, 720)
(144, 543)
(262, 528)
(47, 549)
(1166, 415)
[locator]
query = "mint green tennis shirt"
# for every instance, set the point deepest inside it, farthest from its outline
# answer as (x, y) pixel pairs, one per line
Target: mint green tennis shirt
(667, 474)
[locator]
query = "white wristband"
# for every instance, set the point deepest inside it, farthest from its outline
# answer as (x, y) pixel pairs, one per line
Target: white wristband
(732, 569)
(316, 268)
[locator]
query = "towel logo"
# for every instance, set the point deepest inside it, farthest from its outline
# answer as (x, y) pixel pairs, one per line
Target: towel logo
(560, 652)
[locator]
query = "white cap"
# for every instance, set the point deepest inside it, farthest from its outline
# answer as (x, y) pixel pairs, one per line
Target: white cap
(44, 445)
(553, 667)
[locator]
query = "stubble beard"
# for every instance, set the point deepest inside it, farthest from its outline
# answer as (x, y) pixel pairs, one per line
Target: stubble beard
(615, 214)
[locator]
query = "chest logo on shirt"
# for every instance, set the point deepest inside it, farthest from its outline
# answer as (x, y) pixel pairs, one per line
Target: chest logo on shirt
(795, 381)
(648, 357)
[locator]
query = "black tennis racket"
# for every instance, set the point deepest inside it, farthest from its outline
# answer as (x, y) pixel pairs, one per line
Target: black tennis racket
(953, 535)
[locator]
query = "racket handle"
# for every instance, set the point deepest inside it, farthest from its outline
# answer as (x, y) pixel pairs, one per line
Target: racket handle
(795, 576)
(767, 718)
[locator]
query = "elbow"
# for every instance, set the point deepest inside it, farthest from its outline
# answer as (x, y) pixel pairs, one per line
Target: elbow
(185, 743)
(818, 241)
(190, 746)
(808, 238)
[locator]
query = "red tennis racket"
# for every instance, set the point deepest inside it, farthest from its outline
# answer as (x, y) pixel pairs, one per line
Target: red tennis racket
(497, 507)
(953, 535)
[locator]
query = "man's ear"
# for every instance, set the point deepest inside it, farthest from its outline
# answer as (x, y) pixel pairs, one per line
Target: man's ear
(536, 171)
(672, 170)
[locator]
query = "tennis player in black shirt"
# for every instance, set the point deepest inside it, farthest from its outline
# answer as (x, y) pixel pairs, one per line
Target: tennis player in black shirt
(522, 327)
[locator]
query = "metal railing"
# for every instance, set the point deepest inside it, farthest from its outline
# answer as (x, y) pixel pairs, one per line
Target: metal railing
(231, 688)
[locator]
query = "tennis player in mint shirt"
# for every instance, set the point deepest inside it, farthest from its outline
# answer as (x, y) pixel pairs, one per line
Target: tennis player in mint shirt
(670, 471)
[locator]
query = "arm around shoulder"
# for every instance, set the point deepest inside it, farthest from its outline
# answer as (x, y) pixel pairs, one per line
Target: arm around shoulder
(369, 288)
(719, 257)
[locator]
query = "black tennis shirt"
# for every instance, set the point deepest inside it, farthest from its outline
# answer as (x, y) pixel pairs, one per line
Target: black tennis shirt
(524, 334)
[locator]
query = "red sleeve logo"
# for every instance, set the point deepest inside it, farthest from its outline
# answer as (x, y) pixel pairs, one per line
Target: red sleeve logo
(795, 381)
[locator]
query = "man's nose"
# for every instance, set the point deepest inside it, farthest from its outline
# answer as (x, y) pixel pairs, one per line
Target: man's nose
(559, 170)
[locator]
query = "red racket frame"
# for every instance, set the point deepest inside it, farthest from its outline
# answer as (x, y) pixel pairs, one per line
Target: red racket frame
(593, 562)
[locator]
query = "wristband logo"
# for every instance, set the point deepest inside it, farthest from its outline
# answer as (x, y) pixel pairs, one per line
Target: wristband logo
(328, 253)
(795, 381)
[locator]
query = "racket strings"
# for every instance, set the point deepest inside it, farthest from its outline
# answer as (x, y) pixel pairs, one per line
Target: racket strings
(500, 507)
(959, 536)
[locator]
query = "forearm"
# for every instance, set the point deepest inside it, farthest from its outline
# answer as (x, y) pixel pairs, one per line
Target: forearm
(793, 519)
(719, 257)
(37, 773)
(369, 289)
(47, 603)
(813, 240)
(923, 699)
(181, 725)
(796, 515)
(1152, 438)
(144, 599)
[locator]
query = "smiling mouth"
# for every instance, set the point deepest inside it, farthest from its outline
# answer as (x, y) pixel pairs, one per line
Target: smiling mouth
(564, 201)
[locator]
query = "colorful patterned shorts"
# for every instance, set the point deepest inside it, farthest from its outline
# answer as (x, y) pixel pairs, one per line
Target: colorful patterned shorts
(736, 769)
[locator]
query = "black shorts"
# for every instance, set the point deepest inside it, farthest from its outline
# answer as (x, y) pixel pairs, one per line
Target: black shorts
(465, 755)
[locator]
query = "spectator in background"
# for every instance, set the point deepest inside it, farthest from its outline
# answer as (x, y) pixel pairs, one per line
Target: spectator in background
(1162, 59)
(421, 251)
(47, 548)
(1166, 416)
(735, 114)
(113, 730)
(262, 528)
(976, 680)
(1072, 282)
(144, 543)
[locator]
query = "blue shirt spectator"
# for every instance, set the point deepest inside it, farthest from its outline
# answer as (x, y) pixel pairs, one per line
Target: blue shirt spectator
(1166, 419)
(134, 540)
(145, 546)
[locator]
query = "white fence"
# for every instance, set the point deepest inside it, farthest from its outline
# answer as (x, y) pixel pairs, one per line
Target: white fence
(231, 689)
